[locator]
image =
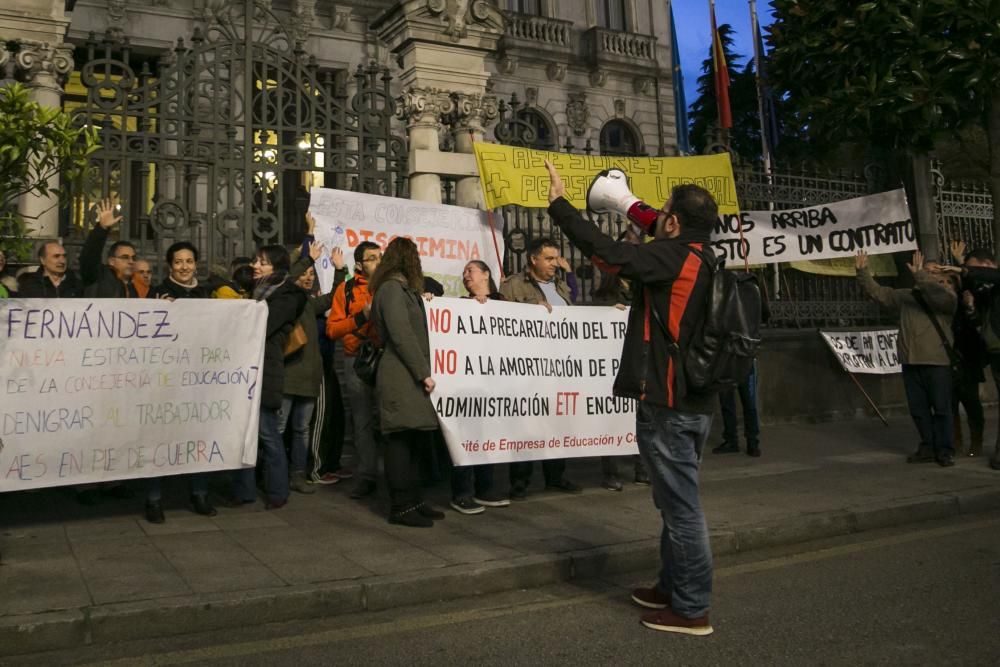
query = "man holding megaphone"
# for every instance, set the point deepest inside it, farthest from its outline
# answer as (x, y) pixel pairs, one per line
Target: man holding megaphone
(671, 277)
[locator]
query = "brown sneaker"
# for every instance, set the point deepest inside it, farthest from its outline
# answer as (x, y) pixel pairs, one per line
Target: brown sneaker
(651, 598)
(668, 621)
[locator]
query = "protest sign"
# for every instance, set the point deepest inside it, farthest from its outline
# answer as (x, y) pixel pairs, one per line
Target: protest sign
(865, 351)
(447, 237)
(513, 175)
(876, 224)
(517, 383)
(122, 388)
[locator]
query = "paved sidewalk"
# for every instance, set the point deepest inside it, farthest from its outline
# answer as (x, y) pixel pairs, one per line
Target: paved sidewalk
(73, 575)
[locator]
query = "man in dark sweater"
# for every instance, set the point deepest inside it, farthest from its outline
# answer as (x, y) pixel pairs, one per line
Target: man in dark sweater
(113, 279)
(106, 281)
(52, 280)
(670, 292)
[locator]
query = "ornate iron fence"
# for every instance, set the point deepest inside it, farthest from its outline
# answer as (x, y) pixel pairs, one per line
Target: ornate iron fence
(218, 141)
(964, 212)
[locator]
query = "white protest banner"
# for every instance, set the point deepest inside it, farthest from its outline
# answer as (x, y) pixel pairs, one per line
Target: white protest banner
(865, 351)
(876, 224)
(517, 383)
(121, 388)
(446, 236)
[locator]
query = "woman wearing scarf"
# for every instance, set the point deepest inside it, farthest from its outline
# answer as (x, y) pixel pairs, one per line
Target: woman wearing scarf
(285, 302)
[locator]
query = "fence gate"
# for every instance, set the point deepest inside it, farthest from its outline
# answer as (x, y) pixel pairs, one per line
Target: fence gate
(218, 140)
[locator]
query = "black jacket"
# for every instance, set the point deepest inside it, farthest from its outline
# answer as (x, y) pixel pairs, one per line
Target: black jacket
(284, 306)
(177, 291)
(666, 278)
(984, 282)
(99, 281)
(37, 285)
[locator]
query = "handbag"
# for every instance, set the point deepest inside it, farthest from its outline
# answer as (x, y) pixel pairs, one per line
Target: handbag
(366, 362)
(297, 339)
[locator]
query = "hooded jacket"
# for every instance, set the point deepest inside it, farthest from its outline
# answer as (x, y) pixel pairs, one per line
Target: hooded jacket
(348, 321)
(670, 290)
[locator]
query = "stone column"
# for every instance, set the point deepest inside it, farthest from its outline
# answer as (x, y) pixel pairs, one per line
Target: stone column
(471, 115)
(423, 109)
(44, 68)
(440, 46)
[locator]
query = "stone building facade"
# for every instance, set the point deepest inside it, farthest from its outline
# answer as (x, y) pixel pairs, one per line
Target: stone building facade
(217, 116)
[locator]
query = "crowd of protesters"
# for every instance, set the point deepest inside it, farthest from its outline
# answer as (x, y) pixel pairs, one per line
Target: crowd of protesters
(949, 331)
(303, 420)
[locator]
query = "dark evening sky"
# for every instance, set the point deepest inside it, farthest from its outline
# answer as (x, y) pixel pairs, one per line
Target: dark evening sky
(694, 35)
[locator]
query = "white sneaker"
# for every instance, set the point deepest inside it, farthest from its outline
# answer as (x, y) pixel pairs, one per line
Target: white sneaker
(467, 506)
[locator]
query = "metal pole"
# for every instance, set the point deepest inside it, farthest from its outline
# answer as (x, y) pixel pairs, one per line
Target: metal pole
(870, 401)
(765, 149)
(656, 81)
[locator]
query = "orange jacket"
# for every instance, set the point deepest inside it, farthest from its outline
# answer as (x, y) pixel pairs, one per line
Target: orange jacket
(352, 326)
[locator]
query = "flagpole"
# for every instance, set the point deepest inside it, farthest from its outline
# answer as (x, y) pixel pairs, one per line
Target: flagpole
(757, 57)
(723, 131)
(765, 147)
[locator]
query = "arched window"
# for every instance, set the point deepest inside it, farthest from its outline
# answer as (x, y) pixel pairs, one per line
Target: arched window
(545, 138)
(524, 127)
(618, 138)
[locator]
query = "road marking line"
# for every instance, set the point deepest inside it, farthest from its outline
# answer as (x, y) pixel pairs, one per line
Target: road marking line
(843, 550)
(452, 618)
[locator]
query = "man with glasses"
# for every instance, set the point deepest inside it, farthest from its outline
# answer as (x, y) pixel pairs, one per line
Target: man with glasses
(349, 320)
(106, 281)
(114, 279)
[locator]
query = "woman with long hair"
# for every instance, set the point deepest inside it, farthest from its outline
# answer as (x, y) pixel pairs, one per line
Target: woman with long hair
(285, 302)
(472, 486)
(403, 383)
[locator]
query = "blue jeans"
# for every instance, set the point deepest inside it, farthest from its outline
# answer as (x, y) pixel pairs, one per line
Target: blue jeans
(364, 420)
(299, 411)
(928, 395)
(271, 450)
(671, 444)
(748, 399)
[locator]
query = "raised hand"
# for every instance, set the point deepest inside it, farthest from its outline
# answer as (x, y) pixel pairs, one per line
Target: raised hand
(917, 264)
(337, 258)
(310, 223)
(557, 188)
(564, 265)
(958, 251)
(316, 250)
(861, 260)
(107, 213)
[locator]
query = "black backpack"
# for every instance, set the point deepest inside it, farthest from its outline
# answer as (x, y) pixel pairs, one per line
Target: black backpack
(722, 351)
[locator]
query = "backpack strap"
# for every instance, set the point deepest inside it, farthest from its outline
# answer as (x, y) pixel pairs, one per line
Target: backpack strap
(952, 353)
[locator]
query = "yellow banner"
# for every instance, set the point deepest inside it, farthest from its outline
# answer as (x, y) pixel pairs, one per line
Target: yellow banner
(878, 265)
(517, 176)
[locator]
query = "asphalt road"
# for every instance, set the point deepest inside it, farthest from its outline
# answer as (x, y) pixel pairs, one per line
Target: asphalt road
(927, 594)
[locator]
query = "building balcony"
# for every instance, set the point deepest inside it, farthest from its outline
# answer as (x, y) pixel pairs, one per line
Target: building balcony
(537, 35)
(604, 47)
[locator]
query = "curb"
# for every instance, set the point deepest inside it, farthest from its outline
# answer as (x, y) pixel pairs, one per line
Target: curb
(177, 616)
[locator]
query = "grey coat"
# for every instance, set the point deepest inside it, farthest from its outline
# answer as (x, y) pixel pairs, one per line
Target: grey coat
(398, 315)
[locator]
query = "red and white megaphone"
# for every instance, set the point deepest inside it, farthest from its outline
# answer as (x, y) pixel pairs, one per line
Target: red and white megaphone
(609, 193)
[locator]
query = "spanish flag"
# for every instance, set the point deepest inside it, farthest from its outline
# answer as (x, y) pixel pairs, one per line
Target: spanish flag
(721, 70)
